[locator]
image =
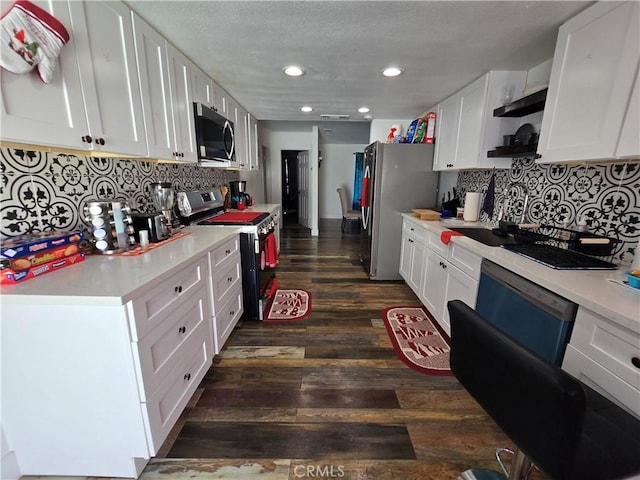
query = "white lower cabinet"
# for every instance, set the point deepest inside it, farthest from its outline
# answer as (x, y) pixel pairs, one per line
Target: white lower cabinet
(225, 290)
(605, 356)
(93, 390)
(454, 276)
(412, 254)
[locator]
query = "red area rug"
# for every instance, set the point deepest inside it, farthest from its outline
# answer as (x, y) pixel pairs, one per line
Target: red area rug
(418, 340)
(289, 305)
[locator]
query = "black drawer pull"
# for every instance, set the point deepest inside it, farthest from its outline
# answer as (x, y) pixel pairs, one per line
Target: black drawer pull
(227, 252)
(182, 329)
(187, 376)
(100, 141)
(178, 289)
(87, 139)
(232, 313)
(229, 279)
(635, 361)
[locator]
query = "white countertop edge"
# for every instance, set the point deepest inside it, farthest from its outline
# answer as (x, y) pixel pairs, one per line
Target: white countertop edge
(588, 288)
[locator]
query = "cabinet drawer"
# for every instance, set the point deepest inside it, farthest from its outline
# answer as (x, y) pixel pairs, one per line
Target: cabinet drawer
(167, 403)
(608, 344)
(184, 329)
(227, 250)
(224, 280)
(148, 310)
(226, 317)
(465, 260)
(601, 380)
(415, 231)
(435, 244)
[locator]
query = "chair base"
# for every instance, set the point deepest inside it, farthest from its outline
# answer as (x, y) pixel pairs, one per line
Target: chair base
(480, 474)
(344, 222)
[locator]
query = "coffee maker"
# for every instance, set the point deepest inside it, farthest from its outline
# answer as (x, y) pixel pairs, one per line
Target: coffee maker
(238, 197)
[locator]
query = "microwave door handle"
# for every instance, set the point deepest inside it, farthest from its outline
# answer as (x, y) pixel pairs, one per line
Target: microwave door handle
(227, 127)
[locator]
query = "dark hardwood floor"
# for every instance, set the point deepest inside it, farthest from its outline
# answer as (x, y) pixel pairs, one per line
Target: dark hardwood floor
(326, 397)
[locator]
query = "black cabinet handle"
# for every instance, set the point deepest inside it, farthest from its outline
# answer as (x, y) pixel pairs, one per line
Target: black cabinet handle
(87, 139)
(229, 279)
(187, 376)
(227, 252)
(182, 329)
(232, 313)
(178, 289)
(635, 361)
(100, 141)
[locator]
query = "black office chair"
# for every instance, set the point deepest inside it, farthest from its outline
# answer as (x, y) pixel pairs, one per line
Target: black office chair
(562, 426)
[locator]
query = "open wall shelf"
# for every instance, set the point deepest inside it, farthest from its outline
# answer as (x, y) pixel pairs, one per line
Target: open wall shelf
(524, 106)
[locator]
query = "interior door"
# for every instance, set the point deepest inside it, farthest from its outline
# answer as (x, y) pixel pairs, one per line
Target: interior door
(304, 202)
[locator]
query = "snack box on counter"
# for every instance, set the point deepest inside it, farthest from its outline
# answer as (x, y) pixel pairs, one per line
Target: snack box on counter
(36, 242)
(9, 276)
(34, 259)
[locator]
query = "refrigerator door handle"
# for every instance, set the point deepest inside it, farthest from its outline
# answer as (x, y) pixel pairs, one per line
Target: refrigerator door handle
(364, 202)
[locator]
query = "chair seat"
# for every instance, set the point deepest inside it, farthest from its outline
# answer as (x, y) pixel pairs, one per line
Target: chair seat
(352, 214)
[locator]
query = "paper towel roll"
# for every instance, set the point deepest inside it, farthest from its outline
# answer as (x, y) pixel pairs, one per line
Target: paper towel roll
(472, 202)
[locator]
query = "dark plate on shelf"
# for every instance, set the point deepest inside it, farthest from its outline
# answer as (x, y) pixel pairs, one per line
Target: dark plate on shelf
(525, 134)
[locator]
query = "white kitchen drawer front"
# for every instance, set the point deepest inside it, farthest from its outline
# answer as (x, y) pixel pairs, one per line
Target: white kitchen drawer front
(161, 349)
(434, 243)
(416, 231)
(224, 280)
(226, 318)
(169, 400)
(600, 379)
(610, 345)
(148, 309)
(466, 261)
(229, 249)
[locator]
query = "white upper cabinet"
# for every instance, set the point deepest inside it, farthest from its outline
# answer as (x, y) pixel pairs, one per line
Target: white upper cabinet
(252, 142)
(629, 144)
(466, 128)
(151, 54)
(594, 69)
(202, 87)
(165, 86)
(219, 99)
(93, 100)
(182, 105)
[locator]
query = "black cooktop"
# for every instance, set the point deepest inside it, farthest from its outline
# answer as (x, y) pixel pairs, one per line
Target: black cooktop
(559, 258)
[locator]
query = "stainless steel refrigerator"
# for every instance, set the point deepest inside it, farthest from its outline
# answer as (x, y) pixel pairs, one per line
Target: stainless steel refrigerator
(397, 178)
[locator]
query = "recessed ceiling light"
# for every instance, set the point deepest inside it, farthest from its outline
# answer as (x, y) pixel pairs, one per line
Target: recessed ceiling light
(363, 109)
(392, 72)
(306, 109)
(293, 71)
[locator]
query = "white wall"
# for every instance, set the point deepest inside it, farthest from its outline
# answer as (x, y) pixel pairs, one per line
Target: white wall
(337, 170)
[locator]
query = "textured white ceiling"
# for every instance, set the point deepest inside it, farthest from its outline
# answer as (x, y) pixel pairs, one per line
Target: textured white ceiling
(344, 45)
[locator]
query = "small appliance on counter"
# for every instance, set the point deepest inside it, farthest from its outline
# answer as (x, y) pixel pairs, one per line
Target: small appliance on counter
(238, 197)
(162, 196)
(110, 225)
(154, 223)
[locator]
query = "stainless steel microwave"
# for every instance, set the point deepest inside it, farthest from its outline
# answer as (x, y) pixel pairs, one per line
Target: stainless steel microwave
(214, 136)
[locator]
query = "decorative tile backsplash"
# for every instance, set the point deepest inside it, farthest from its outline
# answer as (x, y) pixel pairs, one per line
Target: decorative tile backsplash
(607, 196)
(41, 191)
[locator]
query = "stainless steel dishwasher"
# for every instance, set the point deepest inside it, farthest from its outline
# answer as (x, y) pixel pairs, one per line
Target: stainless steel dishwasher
(531, 314)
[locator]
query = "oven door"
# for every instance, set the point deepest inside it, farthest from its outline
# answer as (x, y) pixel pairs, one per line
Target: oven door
(258, 275)
(268, 261)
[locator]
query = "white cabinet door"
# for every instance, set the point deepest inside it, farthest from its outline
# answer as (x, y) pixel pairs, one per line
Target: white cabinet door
(151, 55)
(51, 114)
(447, 121)
(202, 87)
(594, 66)
(103, 35)
(182, 105)
(471, 100)
(220, 100)
(434, 284)
(405, 256)
(459, 286)
(629, 143)
(242, 151)
(252, 142)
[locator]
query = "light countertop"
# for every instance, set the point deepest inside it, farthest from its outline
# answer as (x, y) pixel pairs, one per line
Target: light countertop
(115, 279)
(591, 289)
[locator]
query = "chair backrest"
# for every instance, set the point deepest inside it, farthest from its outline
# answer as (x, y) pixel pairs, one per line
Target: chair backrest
(539, 406)
(344, 204)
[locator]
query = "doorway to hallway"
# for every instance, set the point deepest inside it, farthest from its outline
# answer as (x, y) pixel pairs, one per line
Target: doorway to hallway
(290, 186)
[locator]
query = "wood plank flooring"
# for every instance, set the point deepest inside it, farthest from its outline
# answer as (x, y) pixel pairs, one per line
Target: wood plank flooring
(326, 397)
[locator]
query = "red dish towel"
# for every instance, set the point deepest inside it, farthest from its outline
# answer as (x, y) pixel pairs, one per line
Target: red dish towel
(271, 250)
(445, 237)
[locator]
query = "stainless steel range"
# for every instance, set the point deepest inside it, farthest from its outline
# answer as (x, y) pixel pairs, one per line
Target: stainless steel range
(257, 248)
